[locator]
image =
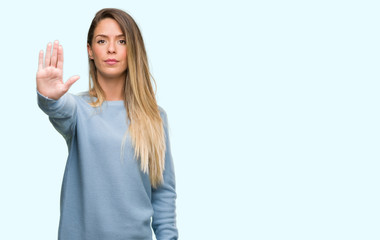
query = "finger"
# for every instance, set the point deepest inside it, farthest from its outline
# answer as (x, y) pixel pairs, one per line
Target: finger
(55, 54)
(47, 55)
(41, 60)
(60, 57)
(70, 82)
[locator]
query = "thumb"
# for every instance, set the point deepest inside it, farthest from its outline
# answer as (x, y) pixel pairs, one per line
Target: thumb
(70, 82)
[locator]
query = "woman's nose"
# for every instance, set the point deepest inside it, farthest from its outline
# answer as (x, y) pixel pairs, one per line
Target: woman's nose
(111, 47)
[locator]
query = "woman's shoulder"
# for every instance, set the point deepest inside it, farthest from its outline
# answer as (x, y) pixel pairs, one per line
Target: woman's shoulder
(162, 112)
(84, 96)
(163, 115)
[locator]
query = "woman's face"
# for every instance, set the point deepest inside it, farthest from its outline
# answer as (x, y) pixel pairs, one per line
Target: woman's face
(109, 49)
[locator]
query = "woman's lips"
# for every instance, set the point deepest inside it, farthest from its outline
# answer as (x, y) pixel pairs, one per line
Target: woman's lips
(111, 61)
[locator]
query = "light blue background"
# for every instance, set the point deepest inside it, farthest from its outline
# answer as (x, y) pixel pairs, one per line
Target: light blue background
(273, 109)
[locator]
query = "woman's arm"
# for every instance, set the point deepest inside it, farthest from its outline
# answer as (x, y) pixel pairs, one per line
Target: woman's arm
(61, 112)
(52, 96)
(164, 197)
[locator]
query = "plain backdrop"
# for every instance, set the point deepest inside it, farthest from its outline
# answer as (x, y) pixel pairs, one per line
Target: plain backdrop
(273, 109)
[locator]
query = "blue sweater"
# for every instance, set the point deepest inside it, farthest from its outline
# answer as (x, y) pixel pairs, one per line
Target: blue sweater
(103, 198)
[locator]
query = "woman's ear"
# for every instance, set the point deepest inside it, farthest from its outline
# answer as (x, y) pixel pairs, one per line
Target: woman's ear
(89, 50)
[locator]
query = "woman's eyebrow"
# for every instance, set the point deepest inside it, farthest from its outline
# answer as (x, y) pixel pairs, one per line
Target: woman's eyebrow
(106, 36)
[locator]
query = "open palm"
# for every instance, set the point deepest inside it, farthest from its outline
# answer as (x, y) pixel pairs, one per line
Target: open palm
(50, 75)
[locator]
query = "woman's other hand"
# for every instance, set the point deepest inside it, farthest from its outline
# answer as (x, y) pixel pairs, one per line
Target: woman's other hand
(50, 75)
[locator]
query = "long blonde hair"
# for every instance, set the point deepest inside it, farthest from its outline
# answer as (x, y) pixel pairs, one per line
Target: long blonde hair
(146, 126)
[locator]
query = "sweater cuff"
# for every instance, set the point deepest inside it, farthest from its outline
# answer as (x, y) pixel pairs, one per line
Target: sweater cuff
(43, 96)
(47, 102)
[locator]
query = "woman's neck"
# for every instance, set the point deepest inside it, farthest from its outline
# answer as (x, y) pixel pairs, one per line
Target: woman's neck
(112, 87)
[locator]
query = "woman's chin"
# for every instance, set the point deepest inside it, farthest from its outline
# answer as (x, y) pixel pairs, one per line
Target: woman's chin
(112, 75)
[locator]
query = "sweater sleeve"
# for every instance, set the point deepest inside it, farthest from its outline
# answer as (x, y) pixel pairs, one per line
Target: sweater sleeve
(61, 113)
(164, 197)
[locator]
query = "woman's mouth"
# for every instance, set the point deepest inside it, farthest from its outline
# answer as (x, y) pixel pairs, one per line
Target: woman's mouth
(111, 61)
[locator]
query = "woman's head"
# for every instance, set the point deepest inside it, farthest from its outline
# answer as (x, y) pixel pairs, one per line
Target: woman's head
(108, 50)
(120, 39)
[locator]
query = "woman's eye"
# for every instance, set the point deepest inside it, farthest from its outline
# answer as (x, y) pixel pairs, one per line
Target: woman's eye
(100, 41)
(123, 41)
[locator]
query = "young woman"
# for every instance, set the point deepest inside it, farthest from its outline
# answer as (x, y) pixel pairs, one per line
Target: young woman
(119, 180)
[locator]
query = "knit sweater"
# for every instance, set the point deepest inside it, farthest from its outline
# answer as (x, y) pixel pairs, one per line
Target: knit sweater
(102, 197)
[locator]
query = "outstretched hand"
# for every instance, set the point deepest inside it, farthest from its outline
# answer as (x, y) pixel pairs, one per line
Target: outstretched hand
(50, 75)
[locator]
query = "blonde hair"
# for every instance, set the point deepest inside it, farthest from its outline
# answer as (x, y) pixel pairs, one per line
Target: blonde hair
(146, 125)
